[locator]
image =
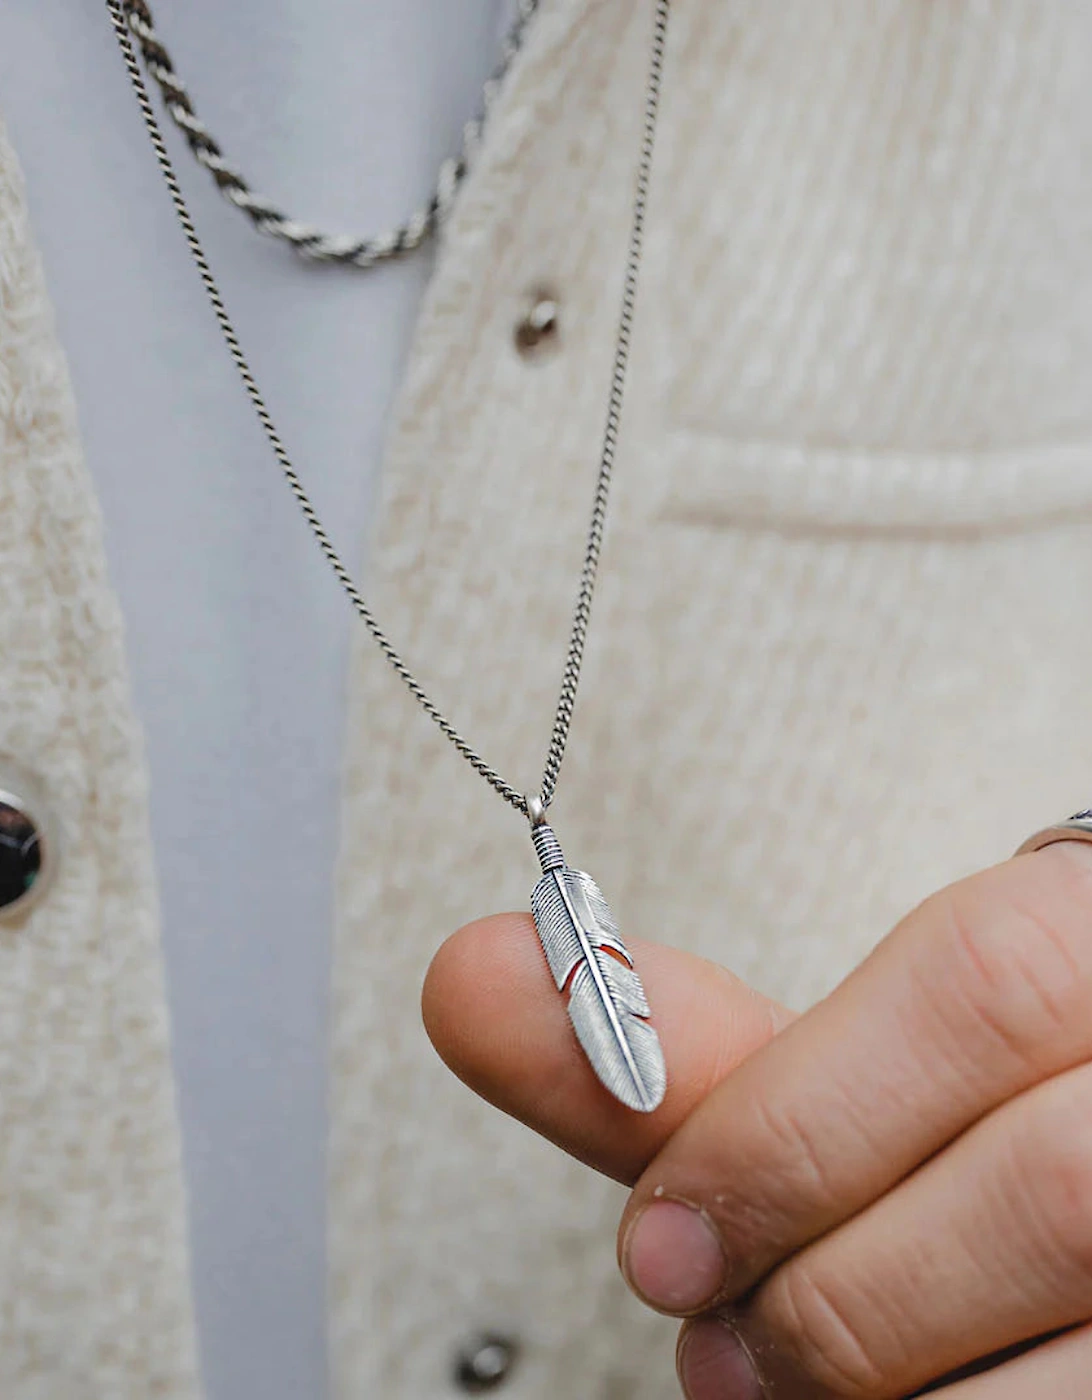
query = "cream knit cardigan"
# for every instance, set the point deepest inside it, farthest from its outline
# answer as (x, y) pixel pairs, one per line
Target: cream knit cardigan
(842, 650)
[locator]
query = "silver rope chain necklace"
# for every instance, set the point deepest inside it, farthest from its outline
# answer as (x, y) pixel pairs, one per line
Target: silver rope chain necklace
(581, 942)
(306, 240)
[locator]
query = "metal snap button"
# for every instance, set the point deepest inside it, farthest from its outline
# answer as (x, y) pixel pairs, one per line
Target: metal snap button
(539, 325)
(485, 1363)
(28, 846)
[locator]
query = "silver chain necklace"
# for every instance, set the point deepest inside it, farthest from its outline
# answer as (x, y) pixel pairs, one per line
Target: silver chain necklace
(580, 939)
(304, 239)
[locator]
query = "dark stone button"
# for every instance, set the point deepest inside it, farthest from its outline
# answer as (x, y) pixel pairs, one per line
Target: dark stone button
(26, 849)
(484, 1363)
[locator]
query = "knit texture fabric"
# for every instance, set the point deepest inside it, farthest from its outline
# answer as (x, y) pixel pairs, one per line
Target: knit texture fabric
(94, 1290)
(840, 653)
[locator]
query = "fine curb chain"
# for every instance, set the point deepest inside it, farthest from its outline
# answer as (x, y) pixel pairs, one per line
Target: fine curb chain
(578, 636)
(306, 240)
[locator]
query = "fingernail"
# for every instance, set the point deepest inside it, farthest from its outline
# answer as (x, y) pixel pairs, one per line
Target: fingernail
(672, 1258)
(714, 1364)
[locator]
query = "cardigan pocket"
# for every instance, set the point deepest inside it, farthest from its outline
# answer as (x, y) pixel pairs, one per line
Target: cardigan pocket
(717, 481)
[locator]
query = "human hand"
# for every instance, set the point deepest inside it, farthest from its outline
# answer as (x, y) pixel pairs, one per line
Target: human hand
(892, 1190)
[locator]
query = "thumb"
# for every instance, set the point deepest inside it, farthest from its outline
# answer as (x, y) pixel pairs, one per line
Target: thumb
(498, 1021)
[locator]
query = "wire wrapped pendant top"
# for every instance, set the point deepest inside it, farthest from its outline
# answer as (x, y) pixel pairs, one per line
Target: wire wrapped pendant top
(607, 1004)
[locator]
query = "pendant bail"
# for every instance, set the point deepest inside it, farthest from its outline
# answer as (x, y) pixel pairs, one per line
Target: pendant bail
(536, 810)
(547, 847)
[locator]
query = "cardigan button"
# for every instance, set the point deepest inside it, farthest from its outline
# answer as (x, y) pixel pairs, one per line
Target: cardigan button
(539, 326)
(485, 1363)
(28, 847)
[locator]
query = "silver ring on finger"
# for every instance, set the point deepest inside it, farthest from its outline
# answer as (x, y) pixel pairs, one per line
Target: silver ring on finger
(1076, 828)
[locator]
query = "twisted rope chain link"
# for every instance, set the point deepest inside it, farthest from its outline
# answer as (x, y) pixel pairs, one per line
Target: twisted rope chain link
(119, 10)
(305, 239)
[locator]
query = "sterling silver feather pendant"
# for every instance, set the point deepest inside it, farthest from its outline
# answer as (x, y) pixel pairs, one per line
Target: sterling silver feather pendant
(607, 1004)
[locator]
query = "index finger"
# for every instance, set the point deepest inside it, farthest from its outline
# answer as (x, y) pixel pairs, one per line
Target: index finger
(978, 995)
